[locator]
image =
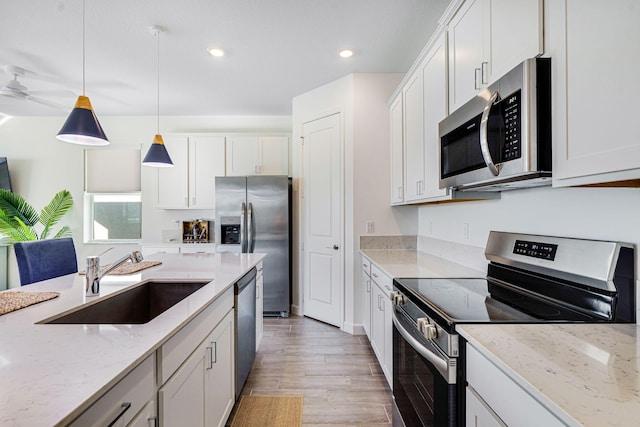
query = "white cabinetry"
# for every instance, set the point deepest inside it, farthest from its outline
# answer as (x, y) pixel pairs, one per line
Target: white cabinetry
(381, 322)
(259, 305)
(488, 385)
(257, 155)
(366, 300)
(397, 157)
(486, 39)
(595, 87)
(413, 138)
(128, 397)
(189, 184)
(197, 369)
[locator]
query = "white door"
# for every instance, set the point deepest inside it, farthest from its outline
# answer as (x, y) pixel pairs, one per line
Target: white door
(323, 216)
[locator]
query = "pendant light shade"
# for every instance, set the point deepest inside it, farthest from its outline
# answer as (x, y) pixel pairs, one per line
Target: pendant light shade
(82, 125)
(157, 156)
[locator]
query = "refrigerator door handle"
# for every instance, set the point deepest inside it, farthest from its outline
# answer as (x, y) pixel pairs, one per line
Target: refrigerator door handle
(243, 236)
(250, 229)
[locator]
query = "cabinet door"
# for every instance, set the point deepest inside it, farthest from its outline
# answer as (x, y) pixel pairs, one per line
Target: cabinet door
(220, 373)
(173, 183)
(397, 160)
(242, 155)
(515, 34)
(259, 306)
(366, 304)
(273, 155)
(146, 417)
(181, 401)
(478, 414)
(206, 161)
(413, 139)
(434, 76)
(466, 57)
(595, 87)
(377, 323)
(388, 338)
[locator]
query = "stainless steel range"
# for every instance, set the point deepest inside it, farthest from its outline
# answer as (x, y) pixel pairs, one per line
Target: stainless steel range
(530, 279)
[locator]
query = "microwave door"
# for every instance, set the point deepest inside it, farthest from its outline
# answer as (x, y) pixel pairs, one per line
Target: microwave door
(490, 132)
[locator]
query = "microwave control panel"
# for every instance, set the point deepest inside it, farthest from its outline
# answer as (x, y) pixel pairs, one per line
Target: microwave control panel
(511, 114)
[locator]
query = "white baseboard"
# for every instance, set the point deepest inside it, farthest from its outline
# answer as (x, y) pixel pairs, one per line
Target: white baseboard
(296, 310)
(353, 328)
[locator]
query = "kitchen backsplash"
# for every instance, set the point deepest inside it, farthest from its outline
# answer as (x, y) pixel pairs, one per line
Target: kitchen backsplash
(388, 242)
(469, 256)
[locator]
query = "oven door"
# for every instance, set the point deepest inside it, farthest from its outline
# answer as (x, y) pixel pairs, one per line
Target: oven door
(424, 378)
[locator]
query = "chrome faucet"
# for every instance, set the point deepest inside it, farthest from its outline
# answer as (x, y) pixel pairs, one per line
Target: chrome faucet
(93, 273)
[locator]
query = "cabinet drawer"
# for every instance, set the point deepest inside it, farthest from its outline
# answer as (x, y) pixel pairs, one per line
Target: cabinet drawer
(366, 266)
(120, 404)
(382, 280)
(178, 348)
(493, 384)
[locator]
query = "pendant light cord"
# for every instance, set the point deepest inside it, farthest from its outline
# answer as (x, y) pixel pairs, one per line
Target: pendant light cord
(158, 35)
(83, 48)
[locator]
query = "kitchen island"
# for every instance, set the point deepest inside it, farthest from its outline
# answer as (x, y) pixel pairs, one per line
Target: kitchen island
(51, 373)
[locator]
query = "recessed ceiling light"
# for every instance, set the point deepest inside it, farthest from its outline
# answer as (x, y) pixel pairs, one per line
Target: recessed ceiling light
(216, 51)
(346, 53)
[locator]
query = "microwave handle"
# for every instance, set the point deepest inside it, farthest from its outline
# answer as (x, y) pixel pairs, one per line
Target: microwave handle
(484, 136)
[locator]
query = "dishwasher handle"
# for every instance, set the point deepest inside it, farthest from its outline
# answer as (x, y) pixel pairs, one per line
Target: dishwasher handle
(246, 280)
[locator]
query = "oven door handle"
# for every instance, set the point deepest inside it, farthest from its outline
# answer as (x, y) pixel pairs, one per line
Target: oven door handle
(438, 362)
(484, 136)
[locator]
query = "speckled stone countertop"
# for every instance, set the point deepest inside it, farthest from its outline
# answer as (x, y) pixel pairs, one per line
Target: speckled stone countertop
(586, 374)
(413, 263)
(50, 373)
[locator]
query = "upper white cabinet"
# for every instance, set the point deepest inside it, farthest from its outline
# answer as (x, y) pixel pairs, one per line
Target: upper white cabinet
(413, 138)
(487, 38)
(397, 158)
(257, 155)
(189, 184)
(595, 85)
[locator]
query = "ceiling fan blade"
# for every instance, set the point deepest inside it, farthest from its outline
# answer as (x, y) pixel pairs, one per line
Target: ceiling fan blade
(61, 93)
(47, 102)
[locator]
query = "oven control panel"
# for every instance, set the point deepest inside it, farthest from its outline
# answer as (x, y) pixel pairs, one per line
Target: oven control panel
(535, 249)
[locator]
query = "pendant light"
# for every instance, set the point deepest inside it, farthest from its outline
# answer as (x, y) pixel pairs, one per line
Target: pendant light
(82, 126)
(157, 156)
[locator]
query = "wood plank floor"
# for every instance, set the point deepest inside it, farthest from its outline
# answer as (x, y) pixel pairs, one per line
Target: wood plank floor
(337, 373)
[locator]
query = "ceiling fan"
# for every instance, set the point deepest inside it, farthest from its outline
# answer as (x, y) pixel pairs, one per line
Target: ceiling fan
(14, 90)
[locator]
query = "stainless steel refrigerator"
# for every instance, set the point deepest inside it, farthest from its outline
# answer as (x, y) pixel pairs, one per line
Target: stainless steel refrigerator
(253, 215)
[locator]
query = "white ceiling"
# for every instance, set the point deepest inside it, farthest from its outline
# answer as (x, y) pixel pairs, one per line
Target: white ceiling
(275, 50)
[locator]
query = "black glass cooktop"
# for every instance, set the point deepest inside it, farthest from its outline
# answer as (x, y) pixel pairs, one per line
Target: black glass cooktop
(460, 300)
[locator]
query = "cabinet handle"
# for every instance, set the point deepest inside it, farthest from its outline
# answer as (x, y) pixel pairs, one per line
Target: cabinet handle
(213, 354)
(485, 78)
(387, 287)
(186, 201)
(193, 200)
(155, 421)
(378, 302)
(374, 275)
(400, 193)
(123, 408)
(476, 85)
(368, 287)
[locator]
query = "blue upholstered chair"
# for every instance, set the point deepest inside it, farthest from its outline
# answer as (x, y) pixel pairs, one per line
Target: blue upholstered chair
(45, 259)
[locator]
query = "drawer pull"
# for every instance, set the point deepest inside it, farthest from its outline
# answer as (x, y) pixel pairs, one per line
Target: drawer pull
(123, 408)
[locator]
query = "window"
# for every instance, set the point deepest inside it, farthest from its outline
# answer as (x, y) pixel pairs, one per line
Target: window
(113, 217)
(112, 201)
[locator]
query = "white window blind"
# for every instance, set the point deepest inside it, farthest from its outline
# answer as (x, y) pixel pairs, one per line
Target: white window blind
(112, 170)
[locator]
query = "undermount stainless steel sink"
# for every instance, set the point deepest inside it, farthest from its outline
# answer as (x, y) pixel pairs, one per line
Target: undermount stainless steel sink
(137, 305)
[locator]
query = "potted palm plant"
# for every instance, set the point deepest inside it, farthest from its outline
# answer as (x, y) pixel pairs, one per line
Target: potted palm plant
(18, 219)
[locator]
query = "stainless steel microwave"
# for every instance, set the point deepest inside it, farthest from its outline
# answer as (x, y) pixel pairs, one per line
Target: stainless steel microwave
(501, 139)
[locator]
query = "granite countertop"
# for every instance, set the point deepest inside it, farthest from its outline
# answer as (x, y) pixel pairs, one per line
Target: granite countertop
(50, 373)
(586, 374)
(413, 263)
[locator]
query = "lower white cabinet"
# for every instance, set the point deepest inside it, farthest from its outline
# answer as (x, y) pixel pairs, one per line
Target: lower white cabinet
(146, 417)
(119, 405)
(259, 306)
(366, 301)
(488, 385)
(381, 337)
(201, 392)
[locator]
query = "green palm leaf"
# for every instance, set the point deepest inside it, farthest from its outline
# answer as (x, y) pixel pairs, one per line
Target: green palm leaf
(63, 232)
(56, 209)
(14, 230)
(14, 206)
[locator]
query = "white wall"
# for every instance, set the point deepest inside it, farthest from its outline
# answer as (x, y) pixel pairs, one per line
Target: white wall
(40, 166)
(362, 101)
(590, 213)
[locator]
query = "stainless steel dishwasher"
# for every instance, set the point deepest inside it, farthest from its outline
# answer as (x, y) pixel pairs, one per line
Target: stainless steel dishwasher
(245, 333)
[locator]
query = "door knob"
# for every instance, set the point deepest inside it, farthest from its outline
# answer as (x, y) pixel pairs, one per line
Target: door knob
(334, 247)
